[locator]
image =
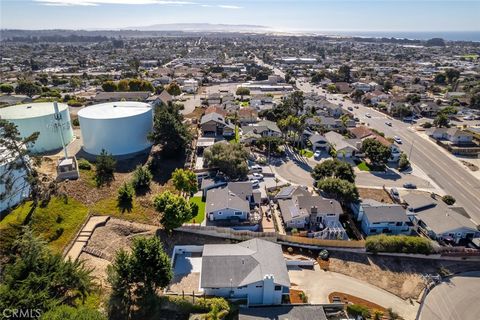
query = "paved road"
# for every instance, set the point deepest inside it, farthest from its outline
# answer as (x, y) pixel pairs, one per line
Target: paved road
(445, 172)
(318, 284)
(456, 299)
(297, 169)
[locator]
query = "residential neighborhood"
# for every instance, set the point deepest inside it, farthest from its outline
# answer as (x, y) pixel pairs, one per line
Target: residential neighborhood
(237, 173)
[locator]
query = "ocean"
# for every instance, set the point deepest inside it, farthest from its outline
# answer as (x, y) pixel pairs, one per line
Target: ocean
(446, 35)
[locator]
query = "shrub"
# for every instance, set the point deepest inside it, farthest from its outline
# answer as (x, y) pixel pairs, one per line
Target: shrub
(141, 178)
(403, 162)
(125, 195)
(427, 125)
(358, 310)
(75, 122)
(448, 199)
(84, 164)
(398, 244)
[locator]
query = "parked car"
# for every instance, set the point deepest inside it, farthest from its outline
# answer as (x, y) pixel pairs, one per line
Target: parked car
(397, 139)
(409, 185)
(350, 108)
(356, 119)
(388, 123)
(255, 183)
(256, 168)
(257, 176)
(368, 115)
(394, 193)
(317, 154)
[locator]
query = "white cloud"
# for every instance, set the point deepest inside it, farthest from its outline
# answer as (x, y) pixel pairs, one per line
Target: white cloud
(99, 2)
(224, 6)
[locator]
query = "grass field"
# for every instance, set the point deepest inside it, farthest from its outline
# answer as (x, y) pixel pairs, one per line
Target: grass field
(57, 223)
(306, 153)
(201, 210)
(138, 212)
(363, 166)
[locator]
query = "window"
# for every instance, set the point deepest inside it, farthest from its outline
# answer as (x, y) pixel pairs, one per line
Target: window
(278, 288)
(373, 230)
(238, 213)
(259, 286)
(330, 214)
(399, 224)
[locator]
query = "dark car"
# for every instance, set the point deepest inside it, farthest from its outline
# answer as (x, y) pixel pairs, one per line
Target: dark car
(409, 185)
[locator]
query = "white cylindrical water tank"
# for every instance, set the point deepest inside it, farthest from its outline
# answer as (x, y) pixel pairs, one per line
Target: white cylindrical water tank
(40, 117)
(118, 127)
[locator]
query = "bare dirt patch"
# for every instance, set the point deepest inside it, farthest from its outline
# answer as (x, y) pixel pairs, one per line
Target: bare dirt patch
(400, 276)
(375, 194)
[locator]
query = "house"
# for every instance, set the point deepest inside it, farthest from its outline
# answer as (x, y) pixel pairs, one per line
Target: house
(440, 222)
(427, 109)
(345, 148)
(121, 96)
(363, 132)
(214, 98)
(378, 217)
(261, 102)
(247, 115)
(230, 201)
(288, 312)
(264, 128)
(301, 210)
(343, 87)
(216, 125)
(365, 87)
(216, 109)
(254, 270)
(190, 86)
(376, 97)
(318, 142)
(222, 204)
(454, 135)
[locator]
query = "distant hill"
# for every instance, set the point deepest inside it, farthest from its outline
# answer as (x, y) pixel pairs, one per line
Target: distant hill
(200, 27)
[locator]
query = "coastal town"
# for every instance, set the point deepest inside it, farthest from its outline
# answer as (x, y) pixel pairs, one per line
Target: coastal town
(228, 175)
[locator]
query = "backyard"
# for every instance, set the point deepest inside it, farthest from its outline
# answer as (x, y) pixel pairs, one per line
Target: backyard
(201, 210)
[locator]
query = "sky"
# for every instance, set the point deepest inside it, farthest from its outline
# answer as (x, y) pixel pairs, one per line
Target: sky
(281, 15)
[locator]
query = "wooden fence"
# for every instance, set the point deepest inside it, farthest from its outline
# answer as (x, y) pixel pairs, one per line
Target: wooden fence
(228, 233)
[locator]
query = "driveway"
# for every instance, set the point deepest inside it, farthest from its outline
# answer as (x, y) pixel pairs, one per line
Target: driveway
(456, 299)
(318, 284)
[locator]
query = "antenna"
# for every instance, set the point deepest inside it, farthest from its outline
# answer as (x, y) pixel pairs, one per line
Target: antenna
(58, 125)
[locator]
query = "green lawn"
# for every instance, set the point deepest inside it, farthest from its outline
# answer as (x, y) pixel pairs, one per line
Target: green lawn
(57, 223)
(244, 104)
(201, 210)
(306, 153)
(138, 212)
(363, 166)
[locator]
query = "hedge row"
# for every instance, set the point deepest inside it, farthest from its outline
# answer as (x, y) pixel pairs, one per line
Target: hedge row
(398, 244)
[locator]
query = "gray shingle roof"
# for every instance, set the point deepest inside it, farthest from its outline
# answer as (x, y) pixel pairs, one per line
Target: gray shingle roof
(385, 213)
(292, 312)
(223, 198)
(225, 265)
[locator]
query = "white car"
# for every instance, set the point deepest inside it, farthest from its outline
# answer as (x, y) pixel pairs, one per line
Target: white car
(255, 183)
(317, 154)
(257, 176)
(397, 139)
(388, 123)
(256, 168)
(368, 115)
